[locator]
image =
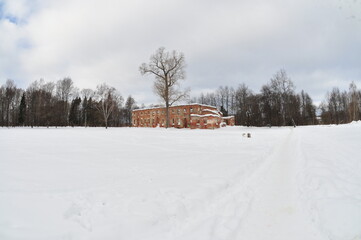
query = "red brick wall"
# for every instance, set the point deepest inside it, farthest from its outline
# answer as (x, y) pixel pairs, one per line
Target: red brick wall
(230, 121)
(208, 122)
(179, 117)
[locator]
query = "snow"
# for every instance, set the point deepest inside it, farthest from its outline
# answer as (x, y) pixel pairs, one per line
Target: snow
(228, 117)
(212, 111)
(143, 183)
(205, 115)
(175, 105)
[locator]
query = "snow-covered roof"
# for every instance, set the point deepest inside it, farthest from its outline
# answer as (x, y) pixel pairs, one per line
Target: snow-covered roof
(212, 111)
(181, 105)
(205, 115)
(229, 117)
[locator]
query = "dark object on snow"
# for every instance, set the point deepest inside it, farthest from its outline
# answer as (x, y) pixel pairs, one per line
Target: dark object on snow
(247, 135)
(293, 122)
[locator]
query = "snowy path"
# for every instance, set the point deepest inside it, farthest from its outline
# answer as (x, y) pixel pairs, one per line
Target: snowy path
(276, 211)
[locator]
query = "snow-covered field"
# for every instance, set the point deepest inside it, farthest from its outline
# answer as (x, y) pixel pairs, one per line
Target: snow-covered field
(128, 183)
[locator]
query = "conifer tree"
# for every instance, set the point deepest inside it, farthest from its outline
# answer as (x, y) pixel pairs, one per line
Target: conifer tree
(74, 115)
(22, 110)
(129, 106)
(85, 108)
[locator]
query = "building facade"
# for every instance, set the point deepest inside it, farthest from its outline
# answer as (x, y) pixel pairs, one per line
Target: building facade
(181, 116)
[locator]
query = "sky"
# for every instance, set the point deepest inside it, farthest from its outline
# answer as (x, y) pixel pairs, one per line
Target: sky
(225, 43)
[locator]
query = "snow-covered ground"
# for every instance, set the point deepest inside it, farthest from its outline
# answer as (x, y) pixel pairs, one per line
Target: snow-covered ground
(129, 183)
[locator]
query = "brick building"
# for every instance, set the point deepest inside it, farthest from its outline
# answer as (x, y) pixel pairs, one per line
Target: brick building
(181, 116)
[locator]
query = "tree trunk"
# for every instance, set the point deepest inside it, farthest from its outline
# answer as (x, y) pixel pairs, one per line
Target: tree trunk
(167, 114)
(85, 118)
(167, 103)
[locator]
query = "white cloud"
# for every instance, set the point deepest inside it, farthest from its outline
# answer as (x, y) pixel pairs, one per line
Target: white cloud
(225, 42)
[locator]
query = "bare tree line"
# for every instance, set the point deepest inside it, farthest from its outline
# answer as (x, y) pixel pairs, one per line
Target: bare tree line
(62, 104)
(278, 104)
(341, 106)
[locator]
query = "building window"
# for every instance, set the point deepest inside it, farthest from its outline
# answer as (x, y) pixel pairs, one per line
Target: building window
(178, 111)
(191, 110)
(185, 110)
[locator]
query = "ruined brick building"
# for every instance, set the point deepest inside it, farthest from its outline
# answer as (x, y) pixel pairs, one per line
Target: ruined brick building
(181, 116)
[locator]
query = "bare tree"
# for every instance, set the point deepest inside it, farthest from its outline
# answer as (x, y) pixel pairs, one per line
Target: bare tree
(87, 93)
(232, 101)
(64, 90)
(353, 108)
(282, 88)
(168, 69)
(221, 97)
(10, 92)
(307, 109)
(107, 101)
(335, 105)
(224, 97)
(242, 98)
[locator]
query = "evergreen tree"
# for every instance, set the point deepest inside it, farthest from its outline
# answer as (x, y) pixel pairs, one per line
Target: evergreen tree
(224, 111)
(22, 110)
(129, 107)
(85, 111)
(74, 115)
(92, 114)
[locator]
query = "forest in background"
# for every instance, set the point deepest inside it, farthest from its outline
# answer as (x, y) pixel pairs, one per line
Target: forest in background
(277, 104)
(62, 104)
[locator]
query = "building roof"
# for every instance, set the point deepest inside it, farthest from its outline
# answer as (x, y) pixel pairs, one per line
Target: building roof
(181, 105)
(228, 117)
(205, 115)
(216, 112)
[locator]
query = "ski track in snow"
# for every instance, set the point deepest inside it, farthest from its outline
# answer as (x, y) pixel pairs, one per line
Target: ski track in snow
(282, 183)
(330, 183)
(276, 211)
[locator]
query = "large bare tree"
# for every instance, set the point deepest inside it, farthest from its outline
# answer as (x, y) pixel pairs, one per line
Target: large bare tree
(168, 69)
(64, 91)
(282, 89)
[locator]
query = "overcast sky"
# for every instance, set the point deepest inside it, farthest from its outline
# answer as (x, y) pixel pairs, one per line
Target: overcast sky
(225, 42)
